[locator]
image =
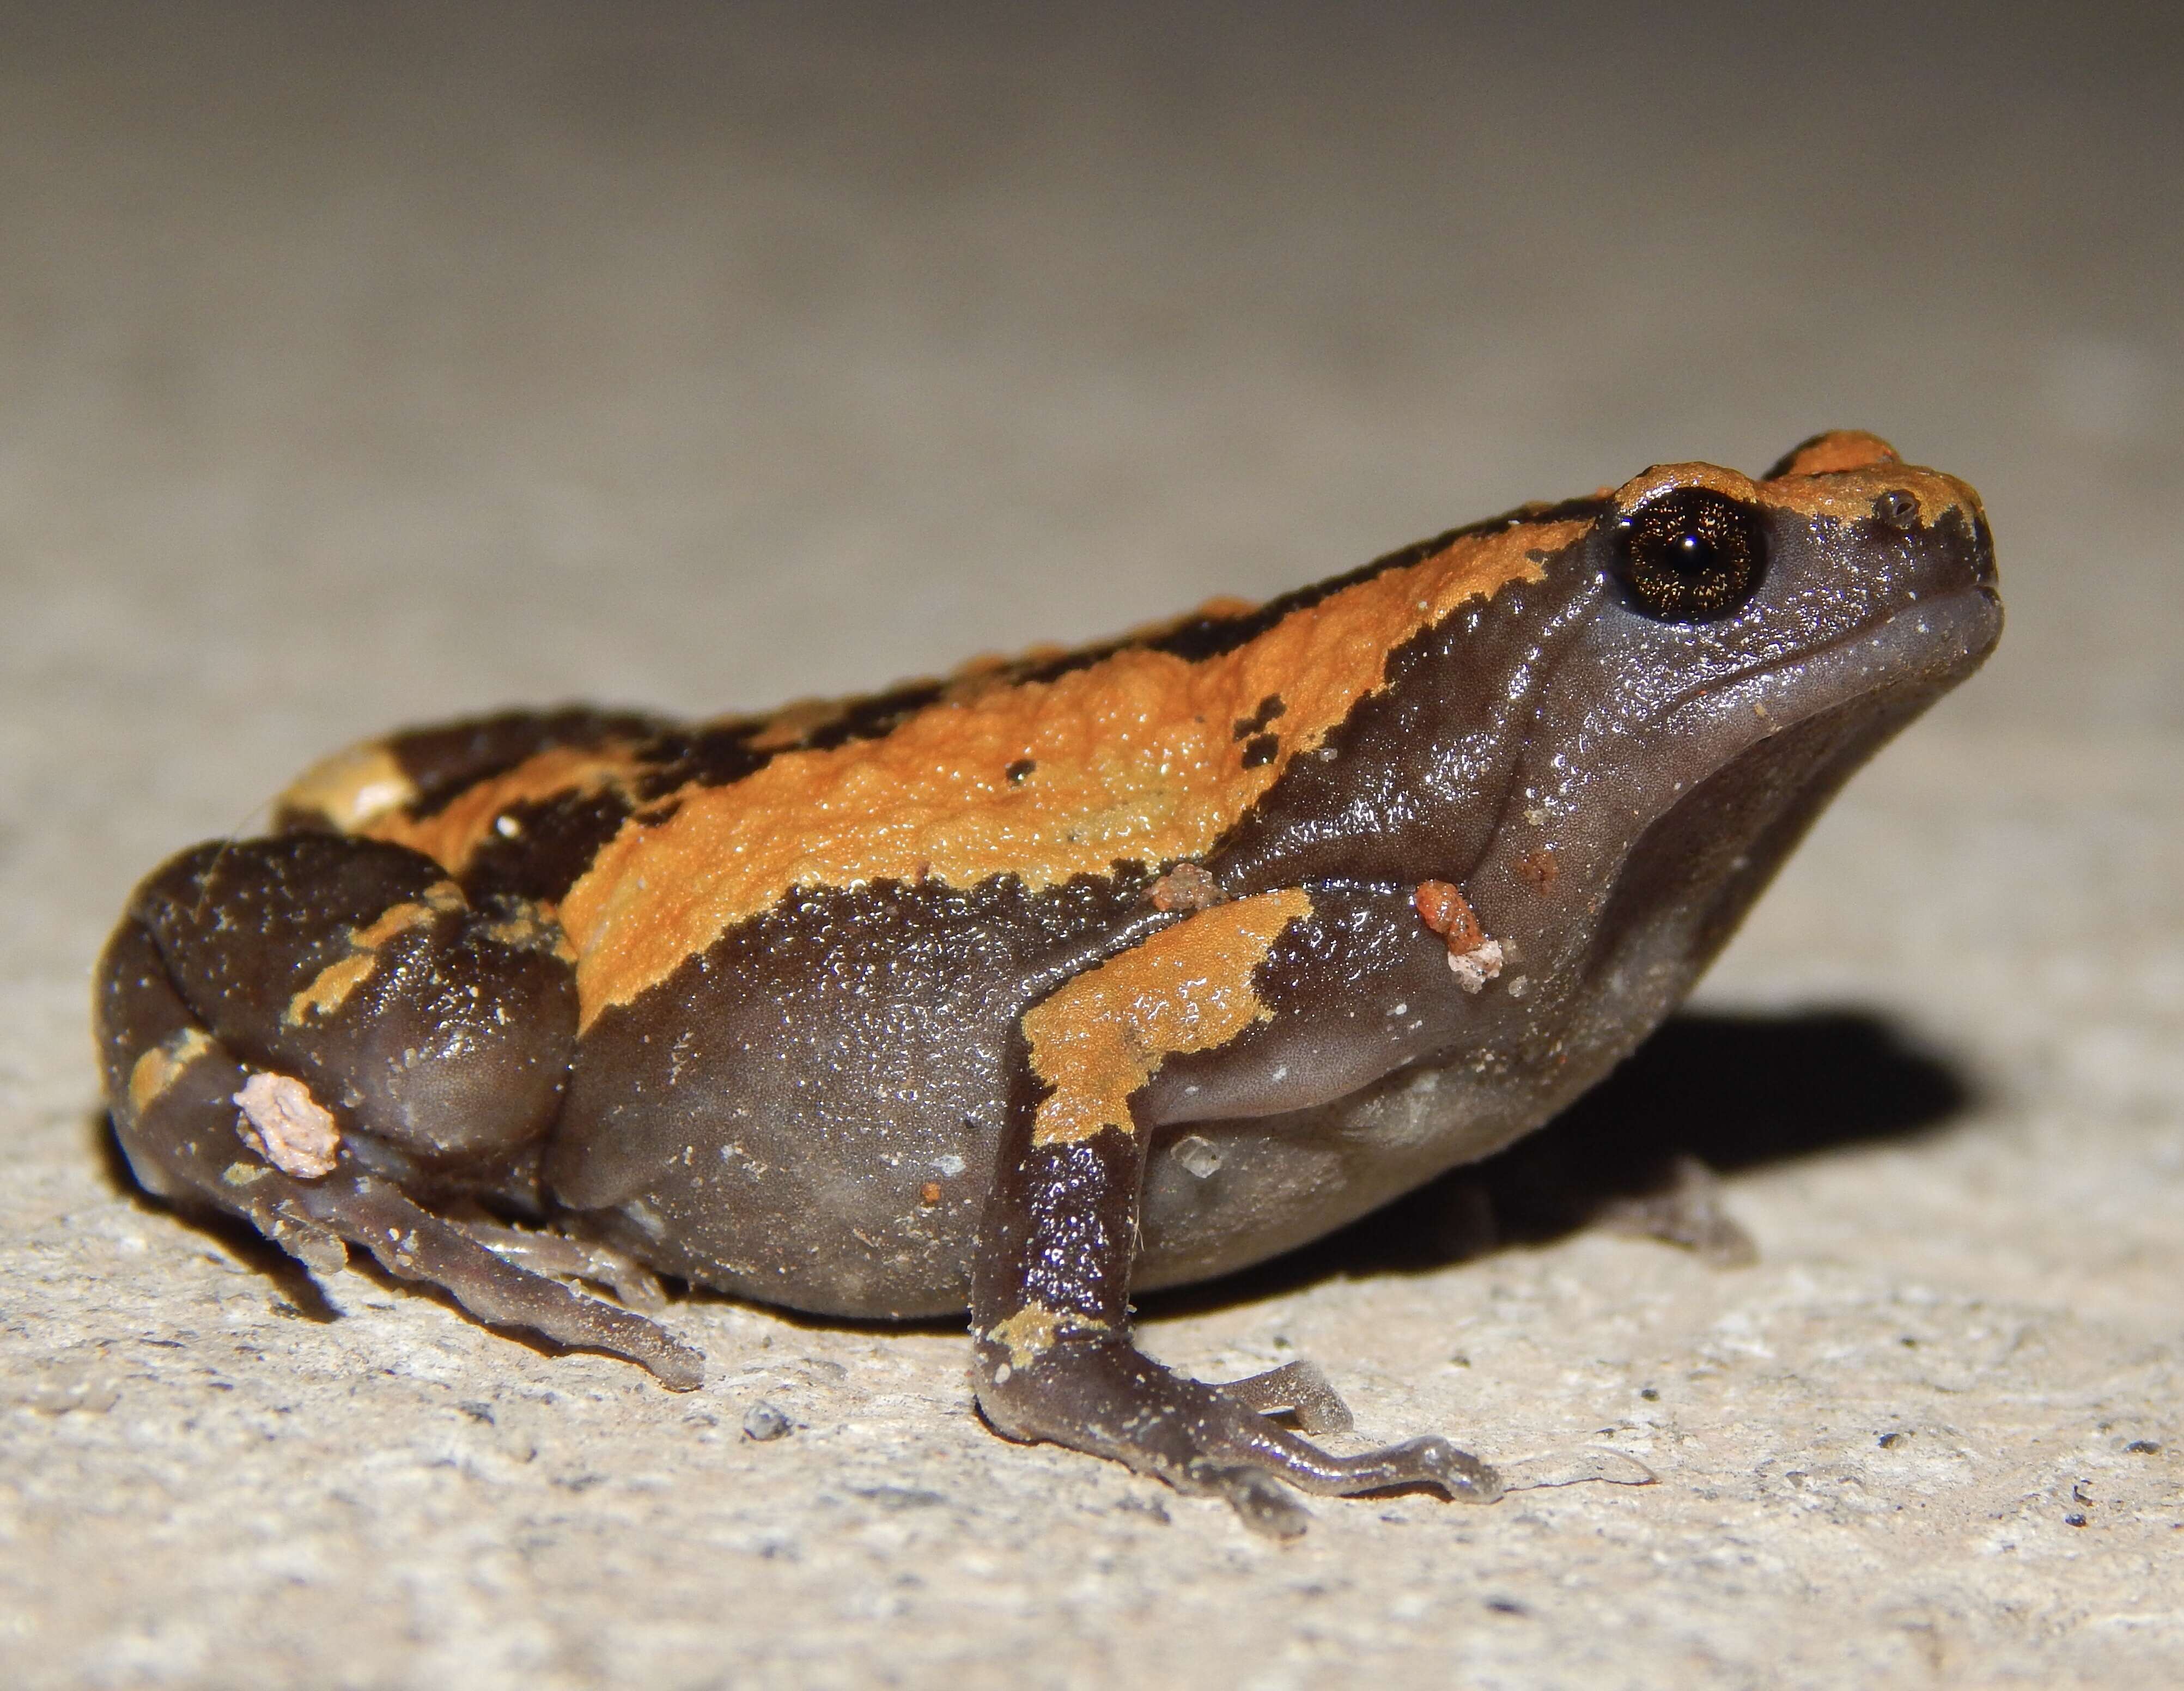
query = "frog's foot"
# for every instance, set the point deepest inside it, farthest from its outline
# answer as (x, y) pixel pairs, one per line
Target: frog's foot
(1039, 1381)
(416, 1244)
(207, 1130)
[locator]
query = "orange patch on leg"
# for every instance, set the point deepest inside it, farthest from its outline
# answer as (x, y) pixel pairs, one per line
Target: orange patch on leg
(1101, 1037)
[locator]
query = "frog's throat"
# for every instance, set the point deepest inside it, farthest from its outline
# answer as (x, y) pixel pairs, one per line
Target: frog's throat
(1888, 672)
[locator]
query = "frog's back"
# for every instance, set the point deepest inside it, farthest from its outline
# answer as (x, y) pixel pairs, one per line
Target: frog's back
(653, 839)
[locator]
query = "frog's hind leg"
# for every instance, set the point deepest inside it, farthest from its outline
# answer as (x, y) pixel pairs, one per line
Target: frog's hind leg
(237, 1117)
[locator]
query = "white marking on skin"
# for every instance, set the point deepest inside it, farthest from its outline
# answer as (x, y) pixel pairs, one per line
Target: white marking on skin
(1401, 1010)
(287, 1126)
(1473, 968)
(949, 1164)
(353, 788)
(1200, 1157)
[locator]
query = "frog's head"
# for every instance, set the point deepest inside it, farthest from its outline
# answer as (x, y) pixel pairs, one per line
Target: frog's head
(1731, 649)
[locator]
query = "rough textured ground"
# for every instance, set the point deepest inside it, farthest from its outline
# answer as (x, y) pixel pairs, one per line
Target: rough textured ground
(357, 367)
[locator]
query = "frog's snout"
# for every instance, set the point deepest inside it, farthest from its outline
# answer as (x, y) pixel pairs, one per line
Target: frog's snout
(1974, 550)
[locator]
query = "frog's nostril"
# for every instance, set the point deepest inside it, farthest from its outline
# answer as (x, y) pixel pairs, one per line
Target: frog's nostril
(1895, 509)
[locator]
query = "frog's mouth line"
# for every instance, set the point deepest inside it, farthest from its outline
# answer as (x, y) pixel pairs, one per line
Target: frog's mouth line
(1920, 651)
(1764, 780)
(1917, 652)
(1733, 773)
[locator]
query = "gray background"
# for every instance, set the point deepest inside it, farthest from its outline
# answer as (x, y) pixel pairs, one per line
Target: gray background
(360, 365)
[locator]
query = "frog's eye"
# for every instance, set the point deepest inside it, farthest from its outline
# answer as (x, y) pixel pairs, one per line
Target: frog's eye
(1691, 555)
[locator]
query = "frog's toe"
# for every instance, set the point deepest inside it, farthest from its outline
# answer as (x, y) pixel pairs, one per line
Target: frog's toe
(1301, 1388)
(1104, 1396)
(1433, 1460)
(1428, 1461)
(568, 1255)
(413, 1242)
(1261, 1503)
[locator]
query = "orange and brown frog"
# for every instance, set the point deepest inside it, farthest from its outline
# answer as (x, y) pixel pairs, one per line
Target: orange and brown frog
(1014, 991)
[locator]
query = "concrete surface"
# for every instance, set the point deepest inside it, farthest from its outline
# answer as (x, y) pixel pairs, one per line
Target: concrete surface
(365, 365)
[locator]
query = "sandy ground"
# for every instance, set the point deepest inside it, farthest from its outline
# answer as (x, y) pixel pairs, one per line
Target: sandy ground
(358, 368)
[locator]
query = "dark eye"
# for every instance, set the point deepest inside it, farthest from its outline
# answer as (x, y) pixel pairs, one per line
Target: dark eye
(1691, 555)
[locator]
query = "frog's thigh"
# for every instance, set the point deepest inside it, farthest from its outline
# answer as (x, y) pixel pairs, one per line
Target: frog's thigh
(212, 1113)
(359, 970)
(1050, 1290)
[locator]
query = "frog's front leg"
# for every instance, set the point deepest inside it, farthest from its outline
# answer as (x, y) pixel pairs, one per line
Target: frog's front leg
(1051, 1291)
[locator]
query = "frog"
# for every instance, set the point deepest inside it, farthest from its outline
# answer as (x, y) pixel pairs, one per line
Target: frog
(1062, 978)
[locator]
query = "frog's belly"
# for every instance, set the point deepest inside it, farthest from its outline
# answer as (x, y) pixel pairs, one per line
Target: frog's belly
(811, 1117)
(880, 1219)
(839, 1212)
(808, 1113)
(834, 1165)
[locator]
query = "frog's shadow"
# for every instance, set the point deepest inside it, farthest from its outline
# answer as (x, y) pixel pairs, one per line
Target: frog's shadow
(1731, 1091)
